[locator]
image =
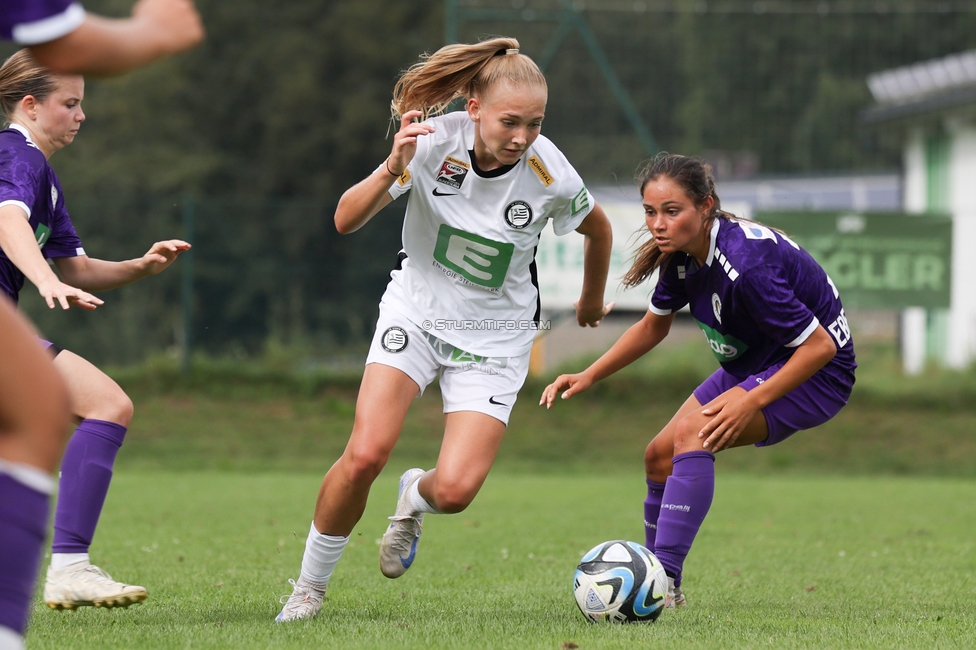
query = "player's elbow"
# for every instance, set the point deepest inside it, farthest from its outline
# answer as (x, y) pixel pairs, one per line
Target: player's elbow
(347, 218)
(343, 225)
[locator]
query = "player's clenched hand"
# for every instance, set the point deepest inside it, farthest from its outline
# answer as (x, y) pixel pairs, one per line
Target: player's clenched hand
(730, 413)
(162, 254)
(174, 24)
(405, 141)
(570, 384)
(66, 296)
(591, 315)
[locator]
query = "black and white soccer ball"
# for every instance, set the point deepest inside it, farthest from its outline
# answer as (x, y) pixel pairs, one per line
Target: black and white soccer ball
(620, 582)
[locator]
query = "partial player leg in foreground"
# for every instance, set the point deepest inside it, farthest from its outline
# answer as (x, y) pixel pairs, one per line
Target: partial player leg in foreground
(86, 472)
(34, 419)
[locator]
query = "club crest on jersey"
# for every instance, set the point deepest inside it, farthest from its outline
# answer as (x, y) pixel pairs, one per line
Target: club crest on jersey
(395, 339)
(452, 172)
(54, 197)
(717, 307)
(518, 214)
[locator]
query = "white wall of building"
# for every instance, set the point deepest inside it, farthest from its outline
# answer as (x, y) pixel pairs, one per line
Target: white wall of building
(913, 320)
(961, 348)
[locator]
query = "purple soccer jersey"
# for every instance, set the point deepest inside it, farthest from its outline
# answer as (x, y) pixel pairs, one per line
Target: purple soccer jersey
(757, 298)
(29, 182)
(38, 21)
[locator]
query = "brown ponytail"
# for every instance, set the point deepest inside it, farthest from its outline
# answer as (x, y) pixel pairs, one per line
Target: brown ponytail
(20, 76)
(462, 70)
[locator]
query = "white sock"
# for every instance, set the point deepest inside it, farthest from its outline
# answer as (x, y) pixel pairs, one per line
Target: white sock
(10, 640)
(322, 553)
(418, 504)
(61, 560)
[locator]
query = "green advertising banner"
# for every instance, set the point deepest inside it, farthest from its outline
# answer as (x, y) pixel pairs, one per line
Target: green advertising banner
(876, 260)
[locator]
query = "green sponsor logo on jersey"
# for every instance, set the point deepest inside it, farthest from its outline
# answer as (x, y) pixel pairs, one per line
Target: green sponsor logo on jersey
(580, 202)
(43, 233)
(725, 347)
(479, 260)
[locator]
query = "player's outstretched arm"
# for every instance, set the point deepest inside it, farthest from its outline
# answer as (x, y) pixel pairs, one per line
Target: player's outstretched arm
(18, 243)
(598, 241)
(639, 339)
(367, 197)
(107, 46)
(101, 275)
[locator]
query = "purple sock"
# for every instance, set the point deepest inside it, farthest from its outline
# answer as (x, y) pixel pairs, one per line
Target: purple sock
(86, 471)
(23, 523)
(652, 509)
(687, 498)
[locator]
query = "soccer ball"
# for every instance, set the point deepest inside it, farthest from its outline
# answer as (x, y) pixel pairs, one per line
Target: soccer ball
(620, 582)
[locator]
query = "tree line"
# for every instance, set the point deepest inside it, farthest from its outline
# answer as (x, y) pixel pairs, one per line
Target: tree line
(256, 133)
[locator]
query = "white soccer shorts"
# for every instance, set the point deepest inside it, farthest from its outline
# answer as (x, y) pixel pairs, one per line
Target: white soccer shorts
(468, 382)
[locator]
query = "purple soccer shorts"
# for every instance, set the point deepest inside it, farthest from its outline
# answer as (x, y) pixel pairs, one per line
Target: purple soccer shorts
(810, 404)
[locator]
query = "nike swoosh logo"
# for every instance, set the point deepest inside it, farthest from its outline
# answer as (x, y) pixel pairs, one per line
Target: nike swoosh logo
(436, 193)
(407, 561)
(491, 400)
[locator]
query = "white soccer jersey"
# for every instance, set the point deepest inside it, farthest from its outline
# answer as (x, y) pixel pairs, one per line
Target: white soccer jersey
(470, 238)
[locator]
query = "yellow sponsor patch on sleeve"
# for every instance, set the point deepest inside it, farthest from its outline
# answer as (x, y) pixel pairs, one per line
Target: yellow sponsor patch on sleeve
(541, 171)
(404, 178)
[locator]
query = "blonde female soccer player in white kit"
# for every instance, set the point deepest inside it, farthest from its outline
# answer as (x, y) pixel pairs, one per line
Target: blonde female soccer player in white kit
(463, 302)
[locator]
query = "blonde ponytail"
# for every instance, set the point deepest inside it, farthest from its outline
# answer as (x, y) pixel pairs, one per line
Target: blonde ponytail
(462, 70)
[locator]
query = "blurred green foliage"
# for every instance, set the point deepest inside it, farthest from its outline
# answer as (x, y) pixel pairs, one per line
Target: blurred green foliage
(258, 132)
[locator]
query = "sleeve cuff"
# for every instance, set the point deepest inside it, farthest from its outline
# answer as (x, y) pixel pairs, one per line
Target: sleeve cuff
(50, 28)
(805, 334)
(658, 311)
(20, 204)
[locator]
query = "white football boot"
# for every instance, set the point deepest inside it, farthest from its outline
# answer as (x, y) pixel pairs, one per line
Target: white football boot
(305, 601)
(675, 597)
(398, 548)
(83, 584)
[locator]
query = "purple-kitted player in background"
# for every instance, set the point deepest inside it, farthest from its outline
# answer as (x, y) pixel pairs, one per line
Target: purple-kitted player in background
(33, 423)
(44, 114)
(62, 36)
(772, 317)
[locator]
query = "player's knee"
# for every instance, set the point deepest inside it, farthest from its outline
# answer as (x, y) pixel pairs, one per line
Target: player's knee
(110, 404)
(657, 462)
(119, 408)
(364, 464)
(452, 497)
(686, 435)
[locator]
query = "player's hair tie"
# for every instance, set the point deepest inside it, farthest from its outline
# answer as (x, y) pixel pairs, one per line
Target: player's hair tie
(506, 52)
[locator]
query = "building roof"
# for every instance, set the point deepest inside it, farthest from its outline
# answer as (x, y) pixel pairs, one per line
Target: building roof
(924, 87)
(857, 192)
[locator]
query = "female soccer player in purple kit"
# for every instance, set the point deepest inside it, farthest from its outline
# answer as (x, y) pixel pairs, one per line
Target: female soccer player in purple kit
(772, 317)
(44, 114)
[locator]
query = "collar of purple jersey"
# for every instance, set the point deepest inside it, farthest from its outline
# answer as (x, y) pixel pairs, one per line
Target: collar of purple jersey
(23, 131)
(714, 238)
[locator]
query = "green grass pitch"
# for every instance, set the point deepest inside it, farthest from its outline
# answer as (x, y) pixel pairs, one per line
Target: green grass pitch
(782, 562)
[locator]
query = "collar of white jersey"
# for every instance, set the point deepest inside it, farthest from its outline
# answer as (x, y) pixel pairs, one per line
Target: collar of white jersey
(23, 131)
(714, 240)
